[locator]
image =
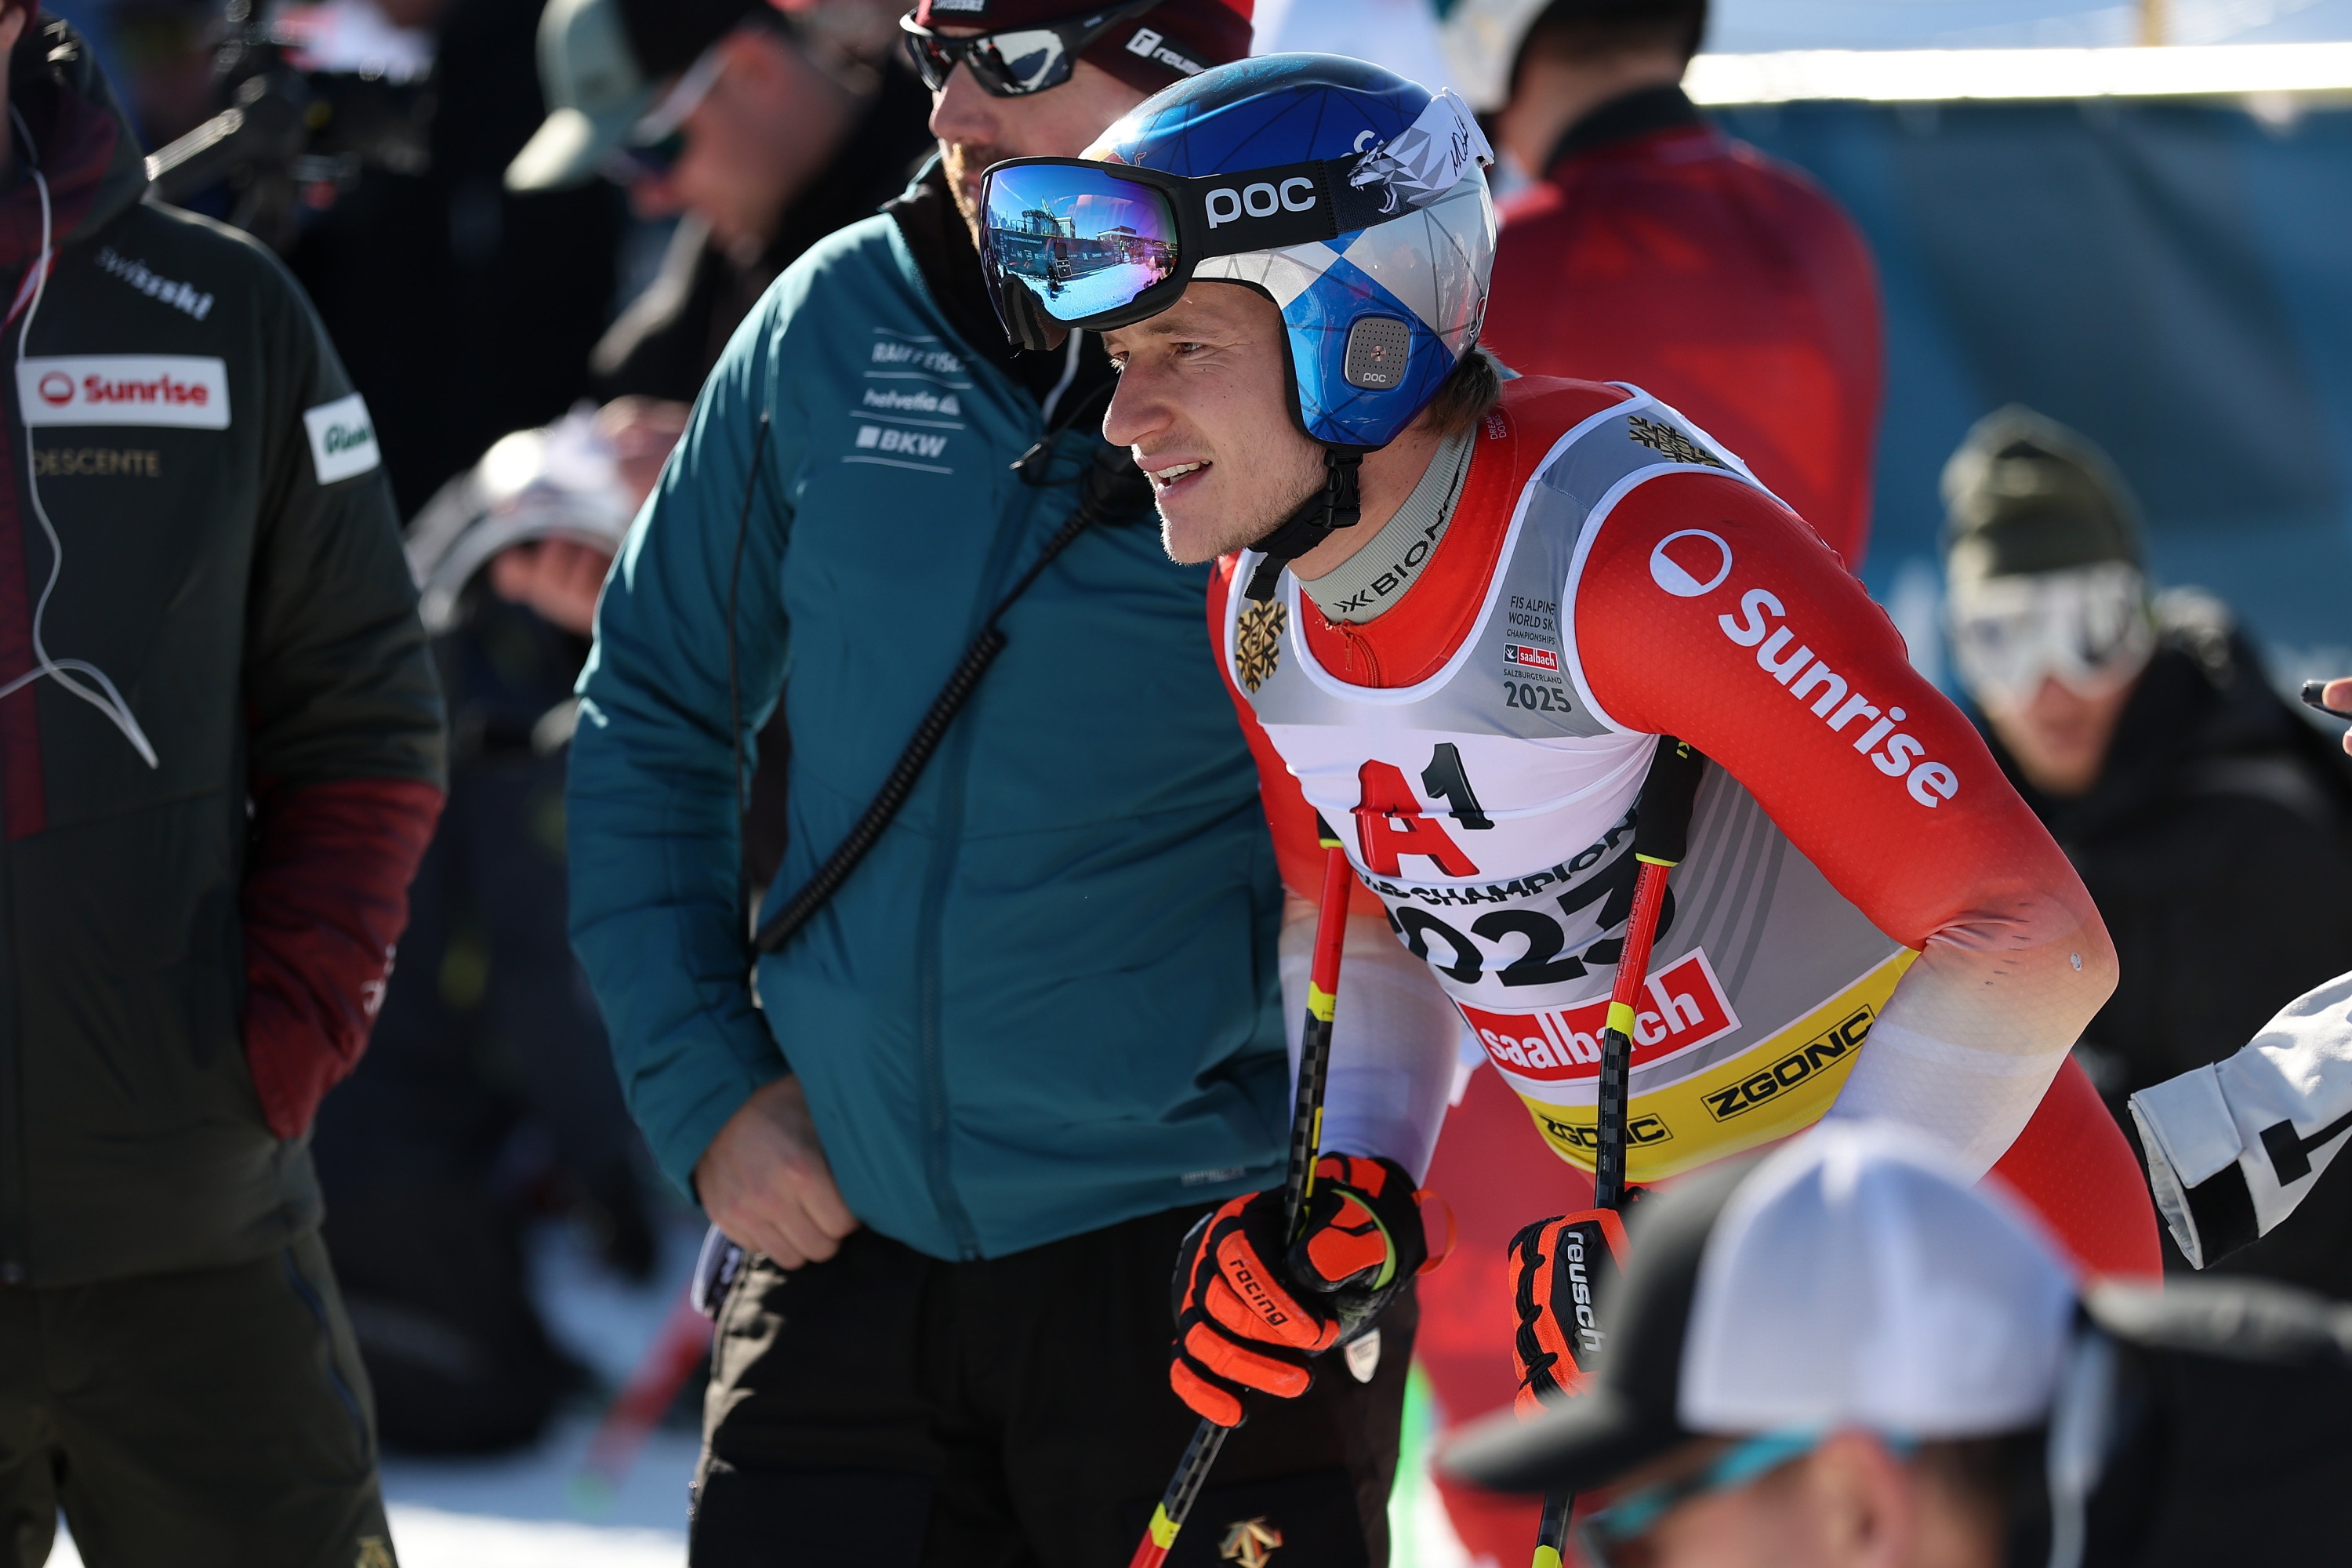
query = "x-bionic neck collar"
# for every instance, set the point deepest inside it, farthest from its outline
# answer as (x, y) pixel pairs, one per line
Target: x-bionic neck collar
(1338, 504)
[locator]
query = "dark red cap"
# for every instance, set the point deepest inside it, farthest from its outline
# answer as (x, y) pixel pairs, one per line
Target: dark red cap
(1147, 52)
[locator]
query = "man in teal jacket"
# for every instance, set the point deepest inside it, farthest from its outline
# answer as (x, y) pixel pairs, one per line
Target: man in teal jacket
(991, 1085)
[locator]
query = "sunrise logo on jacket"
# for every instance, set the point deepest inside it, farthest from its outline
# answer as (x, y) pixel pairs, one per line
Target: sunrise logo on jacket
(1693, 562)
(183, 390)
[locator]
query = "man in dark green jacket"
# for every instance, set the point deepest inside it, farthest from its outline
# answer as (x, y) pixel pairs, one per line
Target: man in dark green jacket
(220, 756)
(1037, 1033)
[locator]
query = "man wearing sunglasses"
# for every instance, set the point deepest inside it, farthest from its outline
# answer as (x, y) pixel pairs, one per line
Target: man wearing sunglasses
(1801, 1382)
(2142, 729)
(1036, 1033)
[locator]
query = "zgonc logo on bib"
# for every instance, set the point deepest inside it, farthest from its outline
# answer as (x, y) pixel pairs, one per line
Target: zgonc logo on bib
(181, 390)
(1685, 1007)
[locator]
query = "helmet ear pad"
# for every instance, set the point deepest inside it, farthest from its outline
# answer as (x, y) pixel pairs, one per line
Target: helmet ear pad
(1325, 404)
(1348, 311)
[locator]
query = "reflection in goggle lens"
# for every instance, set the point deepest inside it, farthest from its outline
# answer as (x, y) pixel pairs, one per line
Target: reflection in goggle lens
(1081, 240)
(1021, 60)
(1007, 65)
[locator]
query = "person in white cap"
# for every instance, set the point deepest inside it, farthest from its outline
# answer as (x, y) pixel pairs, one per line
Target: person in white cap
(1852, 1354)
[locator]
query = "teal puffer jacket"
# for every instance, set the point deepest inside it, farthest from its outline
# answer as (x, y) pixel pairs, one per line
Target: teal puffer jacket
(1046, 1002)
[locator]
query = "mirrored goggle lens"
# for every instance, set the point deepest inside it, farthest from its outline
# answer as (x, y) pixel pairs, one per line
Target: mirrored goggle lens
(2088, 630)
(1081, 240)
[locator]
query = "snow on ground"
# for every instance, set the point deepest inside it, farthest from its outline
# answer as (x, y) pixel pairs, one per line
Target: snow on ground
(1102, 291)
(533, 1510)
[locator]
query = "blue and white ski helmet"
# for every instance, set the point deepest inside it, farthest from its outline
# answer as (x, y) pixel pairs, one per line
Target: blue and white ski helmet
(1417, 280)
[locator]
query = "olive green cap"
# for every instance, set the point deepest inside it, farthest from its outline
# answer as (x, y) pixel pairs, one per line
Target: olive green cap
(2025, 494)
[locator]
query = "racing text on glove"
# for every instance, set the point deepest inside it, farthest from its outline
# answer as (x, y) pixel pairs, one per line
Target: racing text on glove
(1252, 1313)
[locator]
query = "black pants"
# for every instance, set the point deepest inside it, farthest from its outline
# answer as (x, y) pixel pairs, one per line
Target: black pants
(217, 1419)
(884, 1408)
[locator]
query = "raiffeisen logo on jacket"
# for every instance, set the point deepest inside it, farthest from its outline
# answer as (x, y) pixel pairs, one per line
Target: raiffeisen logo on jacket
(183, 390)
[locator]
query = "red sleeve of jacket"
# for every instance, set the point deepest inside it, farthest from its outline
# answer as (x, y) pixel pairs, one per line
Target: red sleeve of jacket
(1703, 611)
(1721, 280)
(1298, 849)
(325, 900)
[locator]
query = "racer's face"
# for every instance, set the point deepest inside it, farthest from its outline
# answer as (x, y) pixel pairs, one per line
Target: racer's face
(1202, 400)
(976, 130)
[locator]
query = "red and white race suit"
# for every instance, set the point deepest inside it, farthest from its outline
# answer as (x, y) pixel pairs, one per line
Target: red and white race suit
(1868, 918)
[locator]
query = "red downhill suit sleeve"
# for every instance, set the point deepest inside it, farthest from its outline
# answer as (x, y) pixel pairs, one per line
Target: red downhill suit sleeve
(1719, 279)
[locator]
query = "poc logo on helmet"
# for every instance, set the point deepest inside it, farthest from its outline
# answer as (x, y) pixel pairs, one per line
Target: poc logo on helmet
(1226, 204)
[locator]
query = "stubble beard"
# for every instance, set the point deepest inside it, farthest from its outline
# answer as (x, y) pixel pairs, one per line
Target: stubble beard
(1245, 525)
(959, 159)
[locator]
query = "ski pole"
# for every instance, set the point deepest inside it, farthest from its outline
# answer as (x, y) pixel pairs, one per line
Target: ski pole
(1661, 839)
(1306, 1143)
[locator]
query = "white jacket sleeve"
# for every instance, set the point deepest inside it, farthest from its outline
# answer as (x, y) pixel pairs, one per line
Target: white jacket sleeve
(2232, 1148)
(1394, 1042)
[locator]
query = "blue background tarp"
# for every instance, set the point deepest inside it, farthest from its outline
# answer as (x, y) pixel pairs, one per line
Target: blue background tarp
(2174, 280)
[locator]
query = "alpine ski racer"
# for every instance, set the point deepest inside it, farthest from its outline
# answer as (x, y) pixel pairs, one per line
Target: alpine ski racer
(1456, 612)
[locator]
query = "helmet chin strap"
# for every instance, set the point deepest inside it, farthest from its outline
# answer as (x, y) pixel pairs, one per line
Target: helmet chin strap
(1337, 505)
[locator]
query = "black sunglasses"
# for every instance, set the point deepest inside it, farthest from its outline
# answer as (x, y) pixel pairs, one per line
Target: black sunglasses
(1017, 61)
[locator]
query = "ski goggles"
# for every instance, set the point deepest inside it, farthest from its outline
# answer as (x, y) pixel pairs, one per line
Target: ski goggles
(1616, 1536)
(2088, 628)
(1097, 245)
(1016, 63)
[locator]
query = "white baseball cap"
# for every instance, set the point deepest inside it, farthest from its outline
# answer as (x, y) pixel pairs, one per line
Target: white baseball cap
(1855, 1278)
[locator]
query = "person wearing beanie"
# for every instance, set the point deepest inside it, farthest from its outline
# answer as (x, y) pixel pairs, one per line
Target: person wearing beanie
(1849, 1356)
(2144, 731)
(990, 1085)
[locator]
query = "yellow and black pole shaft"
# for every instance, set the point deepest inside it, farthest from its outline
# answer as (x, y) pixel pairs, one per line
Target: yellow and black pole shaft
(1298, 1183)
(1661, 839)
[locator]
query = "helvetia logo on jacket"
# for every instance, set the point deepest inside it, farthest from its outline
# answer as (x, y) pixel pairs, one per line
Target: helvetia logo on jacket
(182, 389)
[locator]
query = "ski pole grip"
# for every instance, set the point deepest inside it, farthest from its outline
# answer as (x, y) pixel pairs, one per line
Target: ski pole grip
(1662, 819)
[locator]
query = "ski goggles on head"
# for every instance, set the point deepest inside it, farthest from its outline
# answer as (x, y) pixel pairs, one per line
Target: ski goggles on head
(2087, 627)
(1017, 61)
(1097, 245)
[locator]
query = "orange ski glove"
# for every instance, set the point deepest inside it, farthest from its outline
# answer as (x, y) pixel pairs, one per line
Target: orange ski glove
(1253, 1314)
(1557, 1268)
